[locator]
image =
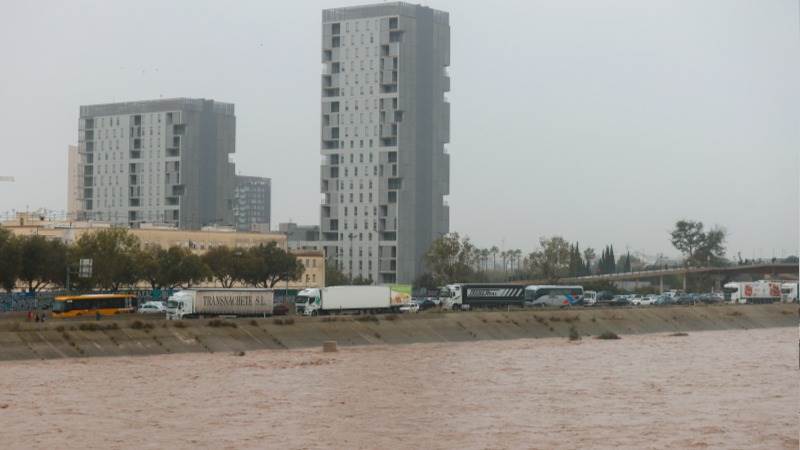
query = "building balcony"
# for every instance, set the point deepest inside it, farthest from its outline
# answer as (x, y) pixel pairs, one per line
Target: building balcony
(388, 130)
(330, 120)
(330, 225)
(387, 265)
(330, 133)
(332, 80)
(330, 92)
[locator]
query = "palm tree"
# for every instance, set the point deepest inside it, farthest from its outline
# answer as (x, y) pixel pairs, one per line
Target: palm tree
(485, 258)
(494, 251)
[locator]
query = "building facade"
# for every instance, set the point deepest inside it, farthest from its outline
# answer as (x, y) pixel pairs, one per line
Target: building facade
(197, 241)
(160, 161)
(301, 237)
(385, 120)
(73, 182)
(251, 203)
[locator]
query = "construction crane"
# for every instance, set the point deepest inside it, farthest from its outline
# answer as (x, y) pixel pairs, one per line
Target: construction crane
(2, 178)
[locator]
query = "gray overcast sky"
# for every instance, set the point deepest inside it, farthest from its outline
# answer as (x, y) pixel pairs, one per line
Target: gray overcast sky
(601, 121)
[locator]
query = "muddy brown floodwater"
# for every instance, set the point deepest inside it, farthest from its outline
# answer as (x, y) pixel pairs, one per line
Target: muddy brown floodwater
(715, 389)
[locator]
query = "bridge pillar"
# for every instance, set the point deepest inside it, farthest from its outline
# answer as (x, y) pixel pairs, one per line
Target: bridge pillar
(684, 282)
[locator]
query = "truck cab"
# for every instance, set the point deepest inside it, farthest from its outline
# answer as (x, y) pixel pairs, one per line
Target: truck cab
(451, 296)
(307, 302)
(179, 305)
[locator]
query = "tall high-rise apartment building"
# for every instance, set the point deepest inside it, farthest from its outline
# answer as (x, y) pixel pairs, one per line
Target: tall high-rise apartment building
(74, 179)
(385, 121)
(251, 203)
(160, 161)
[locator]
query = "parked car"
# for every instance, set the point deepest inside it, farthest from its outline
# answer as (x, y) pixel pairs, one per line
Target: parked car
(635, 299)
(649, 300)
(281, 309)
(686, 299)
(410, 308)
(152, 308)
(619, 300)
(664, 300)
(426, 303)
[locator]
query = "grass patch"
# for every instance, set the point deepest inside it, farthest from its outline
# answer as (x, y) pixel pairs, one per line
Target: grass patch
(594, 319)
(253, 322)
(608, 335)
(391, 317)
(238, 353)
(179, 324)
(735, 313)
(329, 319)
(573, 334)
(60, 328)
(218, 323)
(680, 334)
(367, 318)
(139, 325)
(555, 319)
(574, 318)
(287, 321)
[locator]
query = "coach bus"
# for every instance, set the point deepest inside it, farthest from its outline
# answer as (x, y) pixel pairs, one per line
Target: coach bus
(91, 305)
(553, 295)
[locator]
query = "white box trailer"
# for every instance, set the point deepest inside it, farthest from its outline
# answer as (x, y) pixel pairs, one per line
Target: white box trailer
(220, 302)
(349, 299)
(752, 292)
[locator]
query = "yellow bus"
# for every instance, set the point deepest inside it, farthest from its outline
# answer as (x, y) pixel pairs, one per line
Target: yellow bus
(90, 305)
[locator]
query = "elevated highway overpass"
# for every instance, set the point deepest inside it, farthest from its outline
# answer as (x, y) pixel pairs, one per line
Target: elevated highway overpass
(760, 268)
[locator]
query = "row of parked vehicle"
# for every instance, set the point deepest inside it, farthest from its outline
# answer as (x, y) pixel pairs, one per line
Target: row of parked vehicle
(670, 298)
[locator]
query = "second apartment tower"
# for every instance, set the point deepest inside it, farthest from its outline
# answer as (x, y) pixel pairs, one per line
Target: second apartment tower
(385, 120)
(159, 161)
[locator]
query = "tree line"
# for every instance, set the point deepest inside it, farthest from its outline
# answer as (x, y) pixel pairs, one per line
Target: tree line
(120, 260)
(453, 258)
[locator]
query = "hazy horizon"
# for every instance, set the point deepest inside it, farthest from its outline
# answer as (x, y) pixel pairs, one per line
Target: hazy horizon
(602, 122)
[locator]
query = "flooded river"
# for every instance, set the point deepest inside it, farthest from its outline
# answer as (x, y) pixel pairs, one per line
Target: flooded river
(715, 389)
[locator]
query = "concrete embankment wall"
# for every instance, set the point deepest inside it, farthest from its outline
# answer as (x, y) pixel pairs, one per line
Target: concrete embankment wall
(137, 335)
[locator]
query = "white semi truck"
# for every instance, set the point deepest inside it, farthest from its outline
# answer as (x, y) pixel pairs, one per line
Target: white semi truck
(492, 295)
(752, 292)
(205, 302)
(789, 292)
(349, 300)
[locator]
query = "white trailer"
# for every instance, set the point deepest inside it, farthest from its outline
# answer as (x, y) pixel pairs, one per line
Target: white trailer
(219, 302)
(752, 292)
(349, 299)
